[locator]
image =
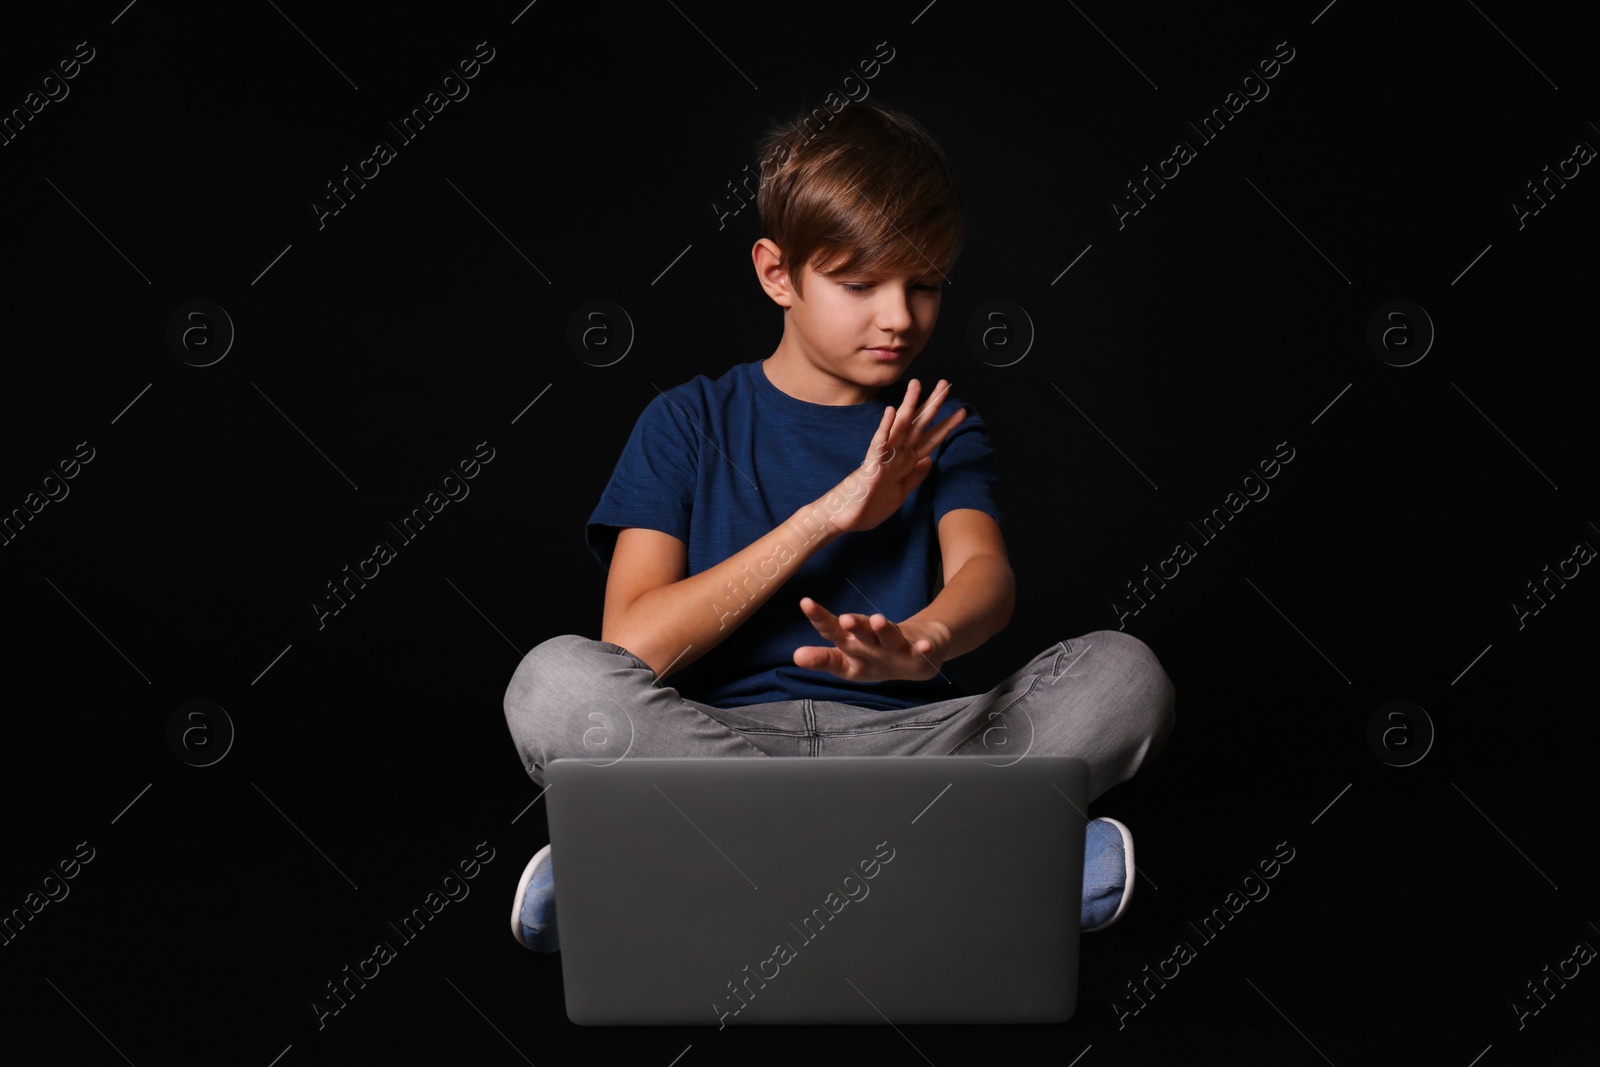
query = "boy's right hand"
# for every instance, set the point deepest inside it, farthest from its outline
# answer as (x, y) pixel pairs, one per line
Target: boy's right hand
(899, 458)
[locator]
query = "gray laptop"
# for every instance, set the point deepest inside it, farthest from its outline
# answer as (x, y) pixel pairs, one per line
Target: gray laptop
(904, 890)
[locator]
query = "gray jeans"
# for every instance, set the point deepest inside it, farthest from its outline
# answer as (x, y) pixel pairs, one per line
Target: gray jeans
(1102, 697)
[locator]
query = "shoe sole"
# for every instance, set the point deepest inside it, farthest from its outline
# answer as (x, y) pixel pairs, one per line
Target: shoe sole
(522, 889)
(1127, 878)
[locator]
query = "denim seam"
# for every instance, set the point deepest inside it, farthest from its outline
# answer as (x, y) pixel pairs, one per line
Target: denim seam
(888, 729)
(1055, 668)
(1032, 682)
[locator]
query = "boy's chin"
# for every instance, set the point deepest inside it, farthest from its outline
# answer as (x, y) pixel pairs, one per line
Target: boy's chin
(878, 376)
(865, 358)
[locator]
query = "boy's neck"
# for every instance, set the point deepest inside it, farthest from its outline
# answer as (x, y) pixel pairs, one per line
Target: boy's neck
(791, 372)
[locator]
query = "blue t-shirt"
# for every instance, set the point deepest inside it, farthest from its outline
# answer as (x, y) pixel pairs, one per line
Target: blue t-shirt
(720, 463)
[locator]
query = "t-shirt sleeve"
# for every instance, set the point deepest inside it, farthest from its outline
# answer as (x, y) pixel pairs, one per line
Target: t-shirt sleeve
(654, 480)
(964, 469)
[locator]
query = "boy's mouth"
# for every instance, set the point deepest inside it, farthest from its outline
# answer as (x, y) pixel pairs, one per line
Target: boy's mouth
(888, 354)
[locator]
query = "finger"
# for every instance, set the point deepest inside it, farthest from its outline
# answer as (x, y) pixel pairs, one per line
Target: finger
(882, 432)
(931, 406)
(835, 661)
(809, 605)
(908, 403)
(826, 623)
(918, 475)
(889, 636)
(819, 658)
(860, 628)
(920, 647)
(931, 441)
(907, 412)
(928, 436)
(879, 445)
(860, 640)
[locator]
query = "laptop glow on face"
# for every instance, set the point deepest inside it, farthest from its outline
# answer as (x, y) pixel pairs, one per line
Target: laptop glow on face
(902, 890)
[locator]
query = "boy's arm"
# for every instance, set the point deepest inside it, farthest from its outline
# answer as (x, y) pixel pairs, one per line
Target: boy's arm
(974, 605)
(979, 591)
(668, 620)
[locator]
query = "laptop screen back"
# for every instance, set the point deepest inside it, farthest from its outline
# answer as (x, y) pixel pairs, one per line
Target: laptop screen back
(818, 890)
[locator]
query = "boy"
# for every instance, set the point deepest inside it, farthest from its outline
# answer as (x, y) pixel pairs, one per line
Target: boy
(735, 496)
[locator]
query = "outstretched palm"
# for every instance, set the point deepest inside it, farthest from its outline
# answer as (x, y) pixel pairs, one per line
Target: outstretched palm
(866, 648)
(899, 458)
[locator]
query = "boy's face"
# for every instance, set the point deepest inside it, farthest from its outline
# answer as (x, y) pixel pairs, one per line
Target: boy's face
(863, 328)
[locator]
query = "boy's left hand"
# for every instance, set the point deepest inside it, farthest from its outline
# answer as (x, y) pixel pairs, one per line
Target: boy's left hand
(868, 648)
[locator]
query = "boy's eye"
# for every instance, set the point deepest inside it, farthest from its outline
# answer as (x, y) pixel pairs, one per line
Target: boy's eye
(862, 287)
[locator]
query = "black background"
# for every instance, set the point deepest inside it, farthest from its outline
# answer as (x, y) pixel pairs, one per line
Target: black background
(1227, 316)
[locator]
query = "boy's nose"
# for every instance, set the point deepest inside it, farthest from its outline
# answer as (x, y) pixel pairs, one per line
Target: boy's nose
(894, 312)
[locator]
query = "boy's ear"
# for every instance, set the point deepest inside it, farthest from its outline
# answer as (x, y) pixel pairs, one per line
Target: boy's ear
(772, 273)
